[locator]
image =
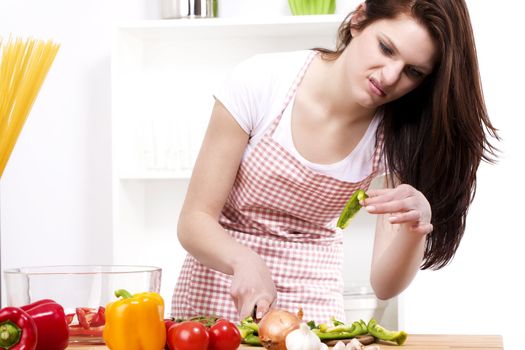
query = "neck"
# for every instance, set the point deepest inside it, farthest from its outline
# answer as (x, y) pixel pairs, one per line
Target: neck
(334, 92)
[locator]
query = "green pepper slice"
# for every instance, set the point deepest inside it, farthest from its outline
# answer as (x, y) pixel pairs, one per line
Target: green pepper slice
(351, 208)
(399, 337)
(252, 340)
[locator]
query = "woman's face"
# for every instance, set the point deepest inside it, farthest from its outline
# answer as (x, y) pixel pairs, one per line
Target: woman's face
(387, 59)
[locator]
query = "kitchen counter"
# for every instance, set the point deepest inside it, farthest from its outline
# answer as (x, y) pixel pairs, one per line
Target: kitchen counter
(414, 342)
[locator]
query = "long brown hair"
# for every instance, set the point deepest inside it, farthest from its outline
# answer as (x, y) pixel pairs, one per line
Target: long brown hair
(435, 136)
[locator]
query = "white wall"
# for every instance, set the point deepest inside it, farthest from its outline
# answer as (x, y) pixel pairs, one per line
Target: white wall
(481, 291)
(56, 191)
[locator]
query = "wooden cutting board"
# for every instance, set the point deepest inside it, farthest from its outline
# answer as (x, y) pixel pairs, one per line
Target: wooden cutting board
(414, 342)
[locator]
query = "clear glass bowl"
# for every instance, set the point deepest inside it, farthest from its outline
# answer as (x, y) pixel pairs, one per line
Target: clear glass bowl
(82, 290)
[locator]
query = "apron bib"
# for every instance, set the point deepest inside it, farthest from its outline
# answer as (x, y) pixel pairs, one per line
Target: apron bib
(286, 213)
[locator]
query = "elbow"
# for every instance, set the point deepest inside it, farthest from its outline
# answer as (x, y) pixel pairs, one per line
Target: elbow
(382, 294)
(382, 290)
(183, 231)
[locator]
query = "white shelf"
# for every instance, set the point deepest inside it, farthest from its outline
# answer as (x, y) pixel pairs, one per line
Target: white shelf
(164, 75)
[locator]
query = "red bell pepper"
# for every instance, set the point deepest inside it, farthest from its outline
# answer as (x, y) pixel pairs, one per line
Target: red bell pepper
(51, 324)
(17, 329)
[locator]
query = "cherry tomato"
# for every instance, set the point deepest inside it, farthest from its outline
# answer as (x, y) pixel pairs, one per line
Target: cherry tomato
(188, 335)
(224, 335)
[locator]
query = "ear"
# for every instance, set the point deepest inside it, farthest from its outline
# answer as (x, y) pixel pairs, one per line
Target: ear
(357, 17)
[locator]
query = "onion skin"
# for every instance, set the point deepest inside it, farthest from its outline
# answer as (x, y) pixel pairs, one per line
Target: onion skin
(275, 326)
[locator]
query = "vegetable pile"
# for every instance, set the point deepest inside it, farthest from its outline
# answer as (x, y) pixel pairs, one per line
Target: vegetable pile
(325, 332)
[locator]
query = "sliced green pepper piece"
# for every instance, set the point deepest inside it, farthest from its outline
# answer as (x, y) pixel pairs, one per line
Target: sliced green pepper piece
(382, 333)
(364, 327)
(350, 330)
(248, 322)
(336, 322)
(351, 208)
(311, 324)
(245, 331)
(335, 335)
(252, 339)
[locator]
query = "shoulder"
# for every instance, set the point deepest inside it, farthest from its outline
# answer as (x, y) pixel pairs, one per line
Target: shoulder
(257, 86)
(271, 67)
(277, 60)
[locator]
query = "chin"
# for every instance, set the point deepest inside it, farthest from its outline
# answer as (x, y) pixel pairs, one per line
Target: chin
(368, 102)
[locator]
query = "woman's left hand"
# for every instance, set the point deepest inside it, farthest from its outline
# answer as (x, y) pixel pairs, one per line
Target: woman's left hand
(405, 206)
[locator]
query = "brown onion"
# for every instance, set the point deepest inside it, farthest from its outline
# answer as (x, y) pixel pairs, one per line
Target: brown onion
(275, 326)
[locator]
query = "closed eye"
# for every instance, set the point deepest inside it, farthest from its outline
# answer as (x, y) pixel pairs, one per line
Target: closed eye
(414, 73)
(385, 49)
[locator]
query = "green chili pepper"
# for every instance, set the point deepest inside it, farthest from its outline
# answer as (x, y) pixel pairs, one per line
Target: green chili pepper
(382, 333)
(351, 208)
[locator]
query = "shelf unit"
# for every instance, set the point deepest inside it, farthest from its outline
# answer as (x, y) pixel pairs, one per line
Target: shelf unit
(164, 73)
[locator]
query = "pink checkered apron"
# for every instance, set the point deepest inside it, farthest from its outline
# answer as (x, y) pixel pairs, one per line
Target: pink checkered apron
(286, 213)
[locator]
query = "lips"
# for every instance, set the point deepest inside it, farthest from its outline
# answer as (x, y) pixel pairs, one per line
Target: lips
(376, 87)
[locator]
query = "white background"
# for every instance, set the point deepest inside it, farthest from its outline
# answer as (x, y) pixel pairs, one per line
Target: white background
(56, 190)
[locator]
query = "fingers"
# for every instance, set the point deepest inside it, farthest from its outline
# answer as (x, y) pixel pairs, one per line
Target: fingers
(262, 308)
(395, 206)
(409, 216)
(423, 229)
(377, 192)
(403, 204)
(246, 302)
(261, 305)
(381, 195)
(246, 309)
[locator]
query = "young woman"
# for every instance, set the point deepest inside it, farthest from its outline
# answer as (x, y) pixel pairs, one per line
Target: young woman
(292, 135)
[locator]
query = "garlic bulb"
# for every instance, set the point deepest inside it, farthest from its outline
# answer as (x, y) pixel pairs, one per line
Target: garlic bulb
(303, 339)
(339, 346)
(354, 345)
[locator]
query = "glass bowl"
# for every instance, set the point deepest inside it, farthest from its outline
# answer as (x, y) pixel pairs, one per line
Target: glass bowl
(82, 290)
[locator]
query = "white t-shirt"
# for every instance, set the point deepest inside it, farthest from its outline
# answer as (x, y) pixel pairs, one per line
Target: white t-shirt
(254, 94)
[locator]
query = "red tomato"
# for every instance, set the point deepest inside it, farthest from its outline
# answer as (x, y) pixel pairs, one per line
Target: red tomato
(224, 335)
(168, 322)
(188, 335)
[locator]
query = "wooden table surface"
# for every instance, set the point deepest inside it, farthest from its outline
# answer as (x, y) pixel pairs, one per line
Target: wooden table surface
(414, 342)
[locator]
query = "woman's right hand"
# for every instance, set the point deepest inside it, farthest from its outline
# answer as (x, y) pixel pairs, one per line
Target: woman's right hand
(252, 286)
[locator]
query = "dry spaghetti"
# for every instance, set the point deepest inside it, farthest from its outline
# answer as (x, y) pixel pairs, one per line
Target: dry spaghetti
(23, 68)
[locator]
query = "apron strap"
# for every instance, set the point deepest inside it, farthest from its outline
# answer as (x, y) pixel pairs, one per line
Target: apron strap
(291, 92)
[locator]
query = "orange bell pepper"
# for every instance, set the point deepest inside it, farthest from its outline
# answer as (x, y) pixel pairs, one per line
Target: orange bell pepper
(135, 322)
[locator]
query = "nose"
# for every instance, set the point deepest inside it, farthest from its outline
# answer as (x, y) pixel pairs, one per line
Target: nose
(392, 72)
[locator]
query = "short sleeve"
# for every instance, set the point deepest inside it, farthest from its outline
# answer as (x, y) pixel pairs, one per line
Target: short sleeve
(241, 93)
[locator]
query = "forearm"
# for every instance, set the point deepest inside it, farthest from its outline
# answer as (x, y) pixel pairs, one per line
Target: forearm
(396, 260)
(205, 239)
